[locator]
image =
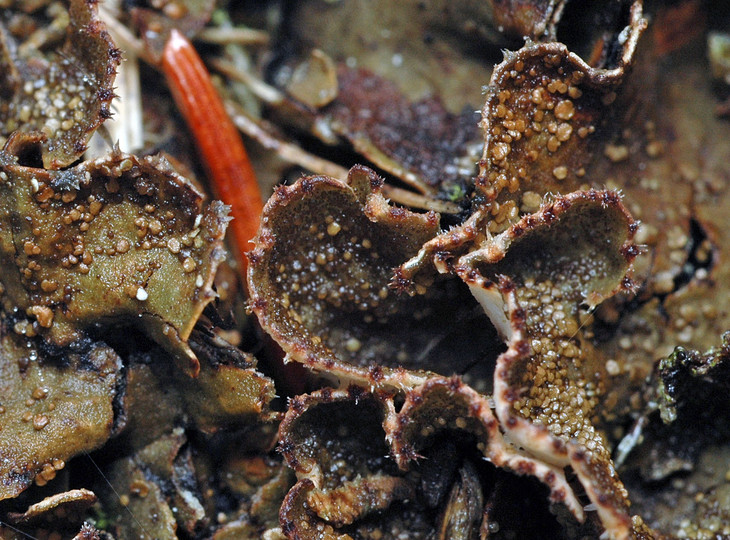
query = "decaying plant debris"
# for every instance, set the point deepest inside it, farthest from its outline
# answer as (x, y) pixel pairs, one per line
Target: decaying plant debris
(509, 323)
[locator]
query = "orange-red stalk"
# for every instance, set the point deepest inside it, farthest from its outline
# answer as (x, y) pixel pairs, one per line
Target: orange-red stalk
(218, 141)
(229, 168)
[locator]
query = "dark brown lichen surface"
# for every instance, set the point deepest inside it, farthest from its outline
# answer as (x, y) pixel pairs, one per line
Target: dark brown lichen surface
(549, 382)
(421, 143)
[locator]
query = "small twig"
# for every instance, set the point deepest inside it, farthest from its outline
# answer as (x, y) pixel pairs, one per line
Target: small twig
(263, 91)
(630, 440)
(237, 35)
(286, 150)
(416, 200)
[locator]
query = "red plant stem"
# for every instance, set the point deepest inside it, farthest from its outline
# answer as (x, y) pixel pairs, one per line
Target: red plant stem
(229, 168)
(218, 140)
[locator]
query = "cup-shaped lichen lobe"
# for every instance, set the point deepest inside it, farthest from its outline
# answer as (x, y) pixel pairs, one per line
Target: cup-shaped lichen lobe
(108, 240)
(320, 280)
(318, 440)
(66, 93)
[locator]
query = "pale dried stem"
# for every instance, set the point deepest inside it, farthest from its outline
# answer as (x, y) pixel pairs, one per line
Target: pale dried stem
(286, 150)
(263, 91)
(233, 35)
(416, 200)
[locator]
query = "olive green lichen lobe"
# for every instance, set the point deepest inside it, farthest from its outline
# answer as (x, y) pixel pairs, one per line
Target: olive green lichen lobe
(119, 239)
